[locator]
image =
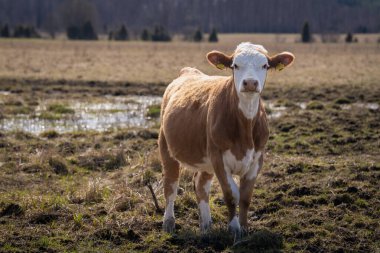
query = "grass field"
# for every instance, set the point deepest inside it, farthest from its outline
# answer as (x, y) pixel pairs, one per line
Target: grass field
(87, 191)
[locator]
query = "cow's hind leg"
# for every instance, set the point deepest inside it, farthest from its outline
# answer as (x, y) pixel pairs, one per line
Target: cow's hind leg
(202, 185)
(170, 180)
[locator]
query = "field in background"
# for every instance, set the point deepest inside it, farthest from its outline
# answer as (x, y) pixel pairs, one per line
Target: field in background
(146, 62)
(87, 191)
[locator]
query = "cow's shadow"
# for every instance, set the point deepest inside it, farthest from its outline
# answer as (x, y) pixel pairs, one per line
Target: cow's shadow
(219, 239)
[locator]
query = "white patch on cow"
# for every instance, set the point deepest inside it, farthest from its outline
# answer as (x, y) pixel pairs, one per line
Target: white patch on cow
(238, 167)
(205, 214)
(250, 61)
(255, 166)
(207, 186)
(234, 224)
(169, 210)
(249, 104)
(234, 188)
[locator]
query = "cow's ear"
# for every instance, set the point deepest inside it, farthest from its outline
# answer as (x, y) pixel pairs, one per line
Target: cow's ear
(280, 61)
(219, 60)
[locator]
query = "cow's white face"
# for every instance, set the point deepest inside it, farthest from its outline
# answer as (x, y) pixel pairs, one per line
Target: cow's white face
(250, 66)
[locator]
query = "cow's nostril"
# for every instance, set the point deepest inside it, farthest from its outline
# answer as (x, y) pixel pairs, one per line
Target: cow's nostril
(245, 83)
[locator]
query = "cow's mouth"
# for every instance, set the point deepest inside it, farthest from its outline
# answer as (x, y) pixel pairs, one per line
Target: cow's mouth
(250, 92)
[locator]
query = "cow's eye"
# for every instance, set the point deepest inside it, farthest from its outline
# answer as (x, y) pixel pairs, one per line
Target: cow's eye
(235, 66)
(266, 66)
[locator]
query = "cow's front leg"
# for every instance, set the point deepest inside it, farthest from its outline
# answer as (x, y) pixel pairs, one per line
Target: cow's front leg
(230, 192)
(202, 185)
(246, 189)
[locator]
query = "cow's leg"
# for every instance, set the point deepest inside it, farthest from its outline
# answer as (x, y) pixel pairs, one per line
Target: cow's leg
(202, 185)
(246, 190)
(230, 192)
(170, 181)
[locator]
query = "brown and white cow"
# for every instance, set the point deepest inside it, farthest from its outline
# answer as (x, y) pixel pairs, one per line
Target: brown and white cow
(217, 125)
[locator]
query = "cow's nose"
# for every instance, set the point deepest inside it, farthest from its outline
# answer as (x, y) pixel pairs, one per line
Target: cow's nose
(250, 85)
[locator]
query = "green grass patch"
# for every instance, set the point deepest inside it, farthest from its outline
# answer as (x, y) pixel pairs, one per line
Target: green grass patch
(60, 109)
(154, 111)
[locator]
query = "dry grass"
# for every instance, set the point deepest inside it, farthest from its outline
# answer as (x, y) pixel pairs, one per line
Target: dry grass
(318, 191)
(146, 62)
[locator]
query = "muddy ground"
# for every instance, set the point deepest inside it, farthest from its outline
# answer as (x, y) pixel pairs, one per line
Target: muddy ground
(87, 191)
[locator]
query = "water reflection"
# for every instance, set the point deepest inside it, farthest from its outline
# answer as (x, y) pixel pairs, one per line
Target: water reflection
(110, 113)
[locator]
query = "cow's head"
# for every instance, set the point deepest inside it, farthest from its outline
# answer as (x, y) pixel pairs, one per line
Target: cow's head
(250, 64)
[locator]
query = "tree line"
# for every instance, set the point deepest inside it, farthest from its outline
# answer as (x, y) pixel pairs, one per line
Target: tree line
(87, 32)
(278, 16)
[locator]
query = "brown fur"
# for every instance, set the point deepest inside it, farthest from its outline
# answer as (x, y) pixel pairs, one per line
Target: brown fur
(200, 118)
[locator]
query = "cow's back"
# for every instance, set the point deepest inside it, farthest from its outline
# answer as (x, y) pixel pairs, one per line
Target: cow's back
(184, 114)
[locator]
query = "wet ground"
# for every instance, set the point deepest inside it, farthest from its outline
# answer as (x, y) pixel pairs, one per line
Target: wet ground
(66, 187)
(105, 113)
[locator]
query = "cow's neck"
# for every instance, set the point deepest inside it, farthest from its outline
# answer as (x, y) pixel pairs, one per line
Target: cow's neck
(244, 123)
(247, 103)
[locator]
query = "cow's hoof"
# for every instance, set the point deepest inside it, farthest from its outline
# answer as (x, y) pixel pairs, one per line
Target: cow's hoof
(244, 231)
(168, 225)
(205, 227)
(235, 229)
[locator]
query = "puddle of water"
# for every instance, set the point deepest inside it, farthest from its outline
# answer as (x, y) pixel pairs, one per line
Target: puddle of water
(276, 111)
(112, 113)
(372, 106)
(115, 112)
(302, 105)
(5, 93)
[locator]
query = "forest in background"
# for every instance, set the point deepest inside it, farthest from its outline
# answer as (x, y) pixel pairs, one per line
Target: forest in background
(267, 16)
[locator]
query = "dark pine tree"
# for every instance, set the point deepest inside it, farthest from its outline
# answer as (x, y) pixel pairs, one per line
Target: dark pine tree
(349, 38)
(73, 32)
(122, 34)
(198, 35)
(5, 33)
(306, 34)
(160, 34)
(88, 32)
(213, 36)
(145, 35)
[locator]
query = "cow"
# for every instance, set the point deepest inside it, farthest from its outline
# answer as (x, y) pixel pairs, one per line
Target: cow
(217, 125)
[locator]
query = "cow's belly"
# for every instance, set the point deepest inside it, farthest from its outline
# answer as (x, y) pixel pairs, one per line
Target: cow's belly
(204, 166)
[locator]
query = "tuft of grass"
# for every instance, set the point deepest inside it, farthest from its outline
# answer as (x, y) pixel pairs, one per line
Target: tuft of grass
(361, 203)
(67, 148)
(23, 136)
(50, 134)
(32, 167)
(78, 219)
(342, 100)
(60, 109)
(58, 165)
(49, 116)
(20, 110)
(315, 105)
(12, 210)
(154, 111)
(102, 161)
(94, 193)
(116, 162)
